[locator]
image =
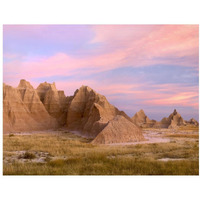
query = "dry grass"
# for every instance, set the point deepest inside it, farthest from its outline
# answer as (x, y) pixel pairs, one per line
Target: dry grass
(189, 128)
(195, 136)
(83, 158)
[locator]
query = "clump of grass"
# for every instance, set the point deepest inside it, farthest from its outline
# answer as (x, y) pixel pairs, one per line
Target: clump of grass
(27, 155)
(11, 135)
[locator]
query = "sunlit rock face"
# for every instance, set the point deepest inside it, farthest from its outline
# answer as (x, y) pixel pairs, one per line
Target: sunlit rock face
(54, 101)
(90, 112)
(23, 110)
(173, 121)
(142, 120)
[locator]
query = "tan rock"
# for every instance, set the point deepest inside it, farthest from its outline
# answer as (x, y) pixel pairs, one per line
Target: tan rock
(54, 101)
(89, 112)
(23, 111)
(193, 122)
(119, 130)
(141, 119)
(173, 121)
(27, 109)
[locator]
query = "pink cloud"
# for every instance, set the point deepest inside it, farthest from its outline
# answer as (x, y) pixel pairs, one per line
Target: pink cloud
(124, 45)
(143, 44)
(177, 95)
(134, 46)
(163, 94)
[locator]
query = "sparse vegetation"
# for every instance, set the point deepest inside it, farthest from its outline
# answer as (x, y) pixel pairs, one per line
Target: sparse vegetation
(196, 136)
(189, 128)
(83, 158)
(27, 155)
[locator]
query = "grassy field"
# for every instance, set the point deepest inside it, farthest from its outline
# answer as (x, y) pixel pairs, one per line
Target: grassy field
(73, 155)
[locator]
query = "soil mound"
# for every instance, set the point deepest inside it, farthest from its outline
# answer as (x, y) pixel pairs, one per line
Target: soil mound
(119, 130)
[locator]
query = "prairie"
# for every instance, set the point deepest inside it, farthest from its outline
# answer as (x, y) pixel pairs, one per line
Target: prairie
(63, 153)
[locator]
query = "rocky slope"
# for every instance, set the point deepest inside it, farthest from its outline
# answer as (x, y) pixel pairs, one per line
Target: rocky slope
(141, 119)
(192, 122)
(23, 110)
(119, 130)
(89, 113)
(54, 101)
(173, 121)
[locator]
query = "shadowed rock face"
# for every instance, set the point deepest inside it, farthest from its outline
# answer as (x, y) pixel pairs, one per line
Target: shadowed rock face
(23, 110)
(89, 112)
(119, 130)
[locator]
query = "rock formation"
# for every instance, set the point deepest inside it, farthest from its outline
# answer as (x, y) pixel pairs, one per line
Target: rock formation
(27, 109)
(23, 110)
(173, 121)
(53, 100)
(193, 122)
(89, 112)
(119, 130)
(142, 120)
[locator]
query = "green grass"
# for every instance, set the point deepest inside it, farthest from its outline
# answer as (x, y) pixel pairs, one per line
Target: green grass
(83, 158)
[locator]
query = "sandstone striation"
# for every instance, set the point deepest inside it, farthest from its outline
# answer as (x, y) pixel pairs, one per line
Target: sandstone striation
(54, 101)
(119, 130)
(23, 110)
(89, 112)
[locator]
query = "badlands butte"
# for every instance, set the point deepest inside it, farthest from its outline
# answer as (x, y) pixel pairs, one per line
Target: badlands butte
(86, 113)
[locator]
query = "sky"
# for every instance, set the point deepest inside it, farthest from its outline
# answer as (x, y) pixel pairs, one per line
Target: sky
(149, 67)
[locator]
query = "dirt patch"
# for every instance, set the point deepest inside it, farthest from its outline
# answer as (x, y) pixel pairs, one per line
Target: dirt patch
(29, 156)
(150, 138)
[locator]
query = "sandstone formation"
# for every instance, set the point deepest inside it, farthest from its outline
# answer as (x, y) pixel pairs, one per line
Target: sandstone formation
(119, 130)
(173, 121)
(193, 122)
(23, 110)
(142, 120)
(89, 112)
(53, 100)
(27, 109)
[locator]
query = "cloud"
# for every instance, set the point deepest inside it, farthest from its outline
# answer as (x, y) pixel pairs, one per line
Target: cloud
(132, 65)
(151, 44)
(121, 46)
